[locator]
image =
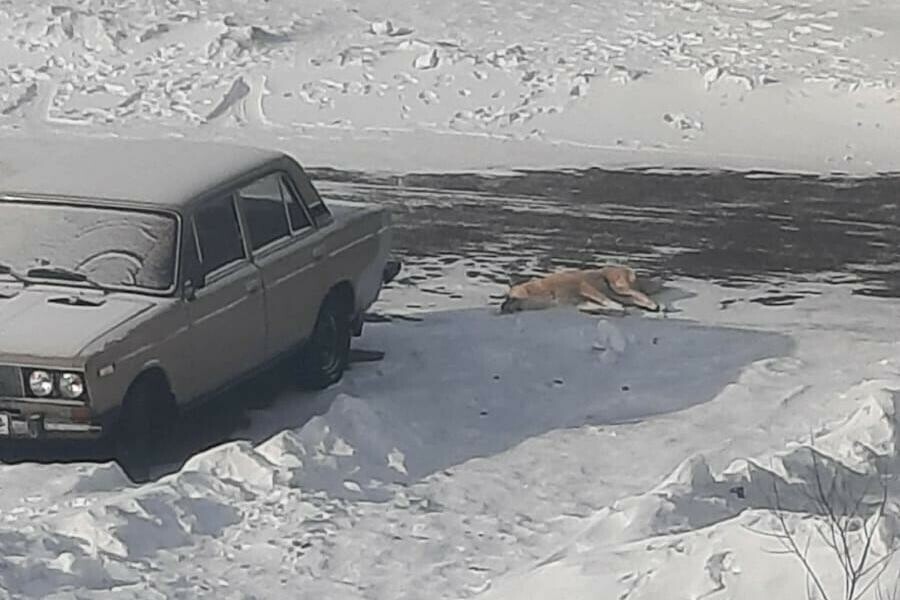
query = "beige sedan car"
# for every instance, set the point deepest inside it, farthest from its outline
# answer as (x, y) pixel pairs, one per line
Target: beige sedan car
(140, 276)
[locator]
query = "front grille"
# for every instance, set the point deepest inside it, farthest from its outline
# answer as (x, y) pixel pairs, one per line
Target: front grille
(11, 385)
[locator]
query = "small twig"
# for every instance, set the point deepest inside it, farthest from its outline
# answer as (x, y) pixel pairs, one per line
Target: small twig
(792, 544)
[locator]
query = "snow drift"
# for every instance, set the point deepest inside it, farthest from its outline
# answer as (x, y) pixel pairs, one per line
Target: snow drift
(723, 527)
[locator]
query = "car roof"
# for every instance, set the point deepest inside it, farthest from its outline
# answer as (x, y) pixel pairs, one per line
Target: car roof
(166, 173)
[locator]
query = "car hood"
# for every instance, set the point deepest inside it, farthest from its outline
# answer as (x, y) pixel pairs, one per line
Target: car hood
(60, 323)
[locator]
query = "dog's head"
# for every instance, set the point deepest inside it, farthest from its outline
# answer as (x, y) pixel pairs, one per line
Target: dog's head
(514, 300)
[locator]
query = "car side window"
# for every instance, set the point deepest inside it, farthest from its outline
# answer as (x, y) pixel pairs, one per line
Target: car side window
(263, 204)
(218, 234)
(313, 201)
(299, 218)
(319, 212)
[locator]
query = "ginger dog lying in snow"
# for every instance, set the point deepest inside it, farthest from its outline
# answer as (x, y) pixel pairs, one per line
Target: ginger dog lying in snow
(588, 289)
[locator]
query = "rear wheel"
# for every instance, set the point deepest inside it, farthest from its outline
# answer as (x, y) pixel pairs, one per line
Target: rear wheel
(325, 356)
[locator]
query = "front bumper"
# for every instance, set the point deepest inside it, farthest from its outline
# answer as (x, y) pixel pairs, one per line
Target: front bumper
(27, 419)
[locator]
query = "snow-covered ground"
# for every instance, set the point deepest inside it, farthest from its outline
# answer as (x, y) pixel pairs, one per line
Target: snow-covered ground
(468, 84)
(509, 456)
(540, 455)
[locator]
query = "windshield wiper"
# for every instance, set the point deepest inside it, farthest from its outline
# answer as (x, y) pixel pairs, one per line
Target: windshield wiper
(64, 274)
(5, 269)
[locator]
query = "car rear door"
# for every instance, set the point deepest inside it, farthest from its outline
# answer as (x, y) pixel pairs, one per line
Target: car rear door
(281, 238)
(227, 313)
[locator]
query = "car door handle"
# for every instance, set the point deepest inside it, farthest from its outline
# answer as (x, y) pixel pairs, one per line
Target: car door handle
(252, 287)
(318, 252)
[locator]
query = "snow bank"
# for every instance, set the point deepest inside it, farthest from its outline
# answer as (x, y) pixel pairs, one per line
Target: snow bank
(94, 536)
(710, 532)
(350, 452)
(86, 535)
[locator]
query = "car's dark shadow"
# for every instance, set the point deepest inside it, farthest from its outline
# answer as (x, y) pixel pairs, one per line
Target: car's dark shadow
(467, 384)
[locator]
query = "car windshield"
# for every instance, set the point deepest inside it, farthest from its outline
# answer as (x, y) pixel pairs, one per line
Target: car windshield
(108, 246)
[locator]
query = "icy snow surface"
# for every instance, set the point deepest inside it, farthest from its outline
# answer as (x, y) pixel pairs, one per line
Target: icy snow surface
(437, 85)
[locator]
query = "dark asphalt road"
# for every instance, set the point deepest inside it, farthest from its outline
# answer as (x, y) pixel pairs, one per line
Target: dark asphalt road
(727, 227)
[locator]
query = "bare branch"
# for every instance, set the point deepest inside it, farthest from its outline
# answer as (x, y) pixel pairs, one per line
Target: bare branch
(869, 537)
(882, 563)
(763, 532)
(828, 539)
(791, 543)
(839, 505)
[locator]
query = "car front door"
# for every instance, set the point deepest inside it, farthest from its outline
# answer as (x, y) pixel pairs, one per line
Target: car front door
(227, 312)
(281, 238)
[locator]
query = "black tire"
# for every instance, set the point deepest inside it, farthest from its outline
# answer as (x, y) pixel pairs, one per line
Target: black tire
(141, 428)
(325, 356)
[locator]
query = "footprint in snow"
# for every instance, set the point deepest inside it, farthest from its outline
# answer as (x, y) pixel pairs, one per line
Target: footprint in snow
(237, 92)
(682, 122)
(428, 97)
(353, 486)
(386, 27)
(578, 91)
(717, 566)
(429, 60)
(25, 98)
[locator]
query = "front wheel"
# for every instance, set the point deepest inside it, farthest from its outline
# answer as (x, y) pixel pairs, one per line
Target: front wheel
(138, 438)
(325, 356)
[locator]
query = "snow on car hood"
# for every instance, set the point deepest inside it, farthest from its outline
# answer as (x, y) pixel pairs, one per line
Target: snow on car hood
(34, 323)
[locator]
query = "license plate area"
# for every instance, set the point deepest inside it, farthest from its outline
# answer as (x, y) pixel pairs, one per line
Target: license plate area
(16, 426)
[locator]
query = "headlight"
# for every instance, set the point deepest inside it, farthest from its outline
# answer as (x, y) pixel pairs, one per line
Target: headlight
(41, 383)
(71, 385)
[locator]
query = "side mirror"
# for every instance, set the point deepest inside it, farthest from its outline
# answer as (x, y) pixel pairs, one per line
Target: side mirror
(188, 291)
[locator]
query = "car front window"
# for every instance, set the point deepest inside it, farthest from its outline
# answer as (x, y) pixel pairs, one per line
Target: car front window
(113, 247)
